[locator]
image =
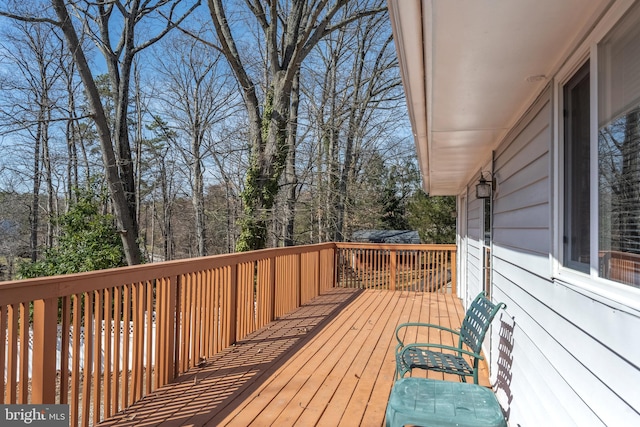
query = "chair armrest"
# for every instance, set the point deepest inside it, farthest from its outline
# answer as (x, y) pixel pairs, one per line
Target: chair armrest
(420, 324)
(441, 347)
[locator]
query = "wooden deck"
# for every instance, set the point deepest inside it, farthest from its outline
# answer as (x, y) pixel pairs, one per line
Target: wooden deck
(329, 363)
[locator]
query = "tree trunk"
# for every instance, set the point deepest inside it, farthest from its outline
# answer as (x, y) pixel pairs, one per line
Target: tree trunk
(138, 142)
(291, 179)
(34, 214)
(117, 187)
(268, 156)
(48, 177)
(197, 196)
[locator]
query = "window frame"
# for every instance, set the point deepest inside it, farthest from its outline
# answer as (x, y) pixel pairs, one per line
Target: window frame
(589, 281)
(567, 218)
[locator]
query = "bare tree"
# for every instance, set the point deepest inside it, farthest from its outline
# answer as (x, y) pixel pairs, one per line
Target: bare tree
(101, 20)
(34, 53)
(290, 30)
(358, 83)
(198, 93)
(162, 176)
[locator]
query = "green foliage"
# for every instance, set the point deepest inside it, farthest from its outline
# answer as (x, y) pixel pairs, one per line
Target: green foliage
(433, 217)
(88, 241)
(253, 234)
(394, 201)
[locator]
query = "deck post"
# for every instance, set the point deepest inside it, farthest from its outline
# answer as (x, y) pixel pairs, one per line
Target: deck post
(299, 281)
(272, 285)
(336, 263)
(392, 269)
(318, 287)
(45, 313)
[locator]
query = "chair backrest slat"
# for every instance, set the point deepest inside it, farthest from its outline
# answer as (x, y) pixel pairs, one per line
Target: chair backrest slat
(477, 321)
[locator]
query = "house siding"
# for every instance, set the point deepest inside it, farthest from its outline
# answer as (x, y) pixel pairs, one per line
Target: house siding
(568, 360)
(474, 249)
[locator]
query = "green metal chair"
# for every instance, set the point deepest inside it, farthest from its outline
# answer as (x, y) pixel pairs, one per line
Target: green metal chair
(449, 359)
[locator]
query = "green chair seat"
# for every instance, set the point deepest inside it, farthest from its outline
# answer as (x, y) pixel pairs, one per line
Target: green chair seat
(418, 358)
(426, 402)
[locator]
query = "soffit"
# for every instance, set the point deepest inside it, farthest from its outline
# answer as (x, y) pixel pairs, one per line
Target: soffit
(478, 59)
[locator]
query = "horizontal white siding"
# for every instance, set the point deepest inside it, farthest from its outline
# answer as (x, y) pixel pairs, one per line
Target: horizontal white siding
(573, 359)
(474, 249)
(579, 374)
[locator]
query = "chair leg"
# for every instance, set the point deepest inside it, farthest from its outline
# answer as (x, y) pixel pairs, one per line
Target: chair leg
(389, 415)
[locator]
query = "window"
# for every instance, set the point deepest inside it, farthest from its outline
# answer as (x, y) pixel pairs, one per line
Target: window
(576, 174)
(486, 249)
(619, 152)
(618, 159)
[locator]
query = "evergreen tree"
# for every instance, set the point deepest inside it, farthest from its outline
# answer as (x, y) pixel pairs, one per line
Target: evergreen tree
(433, 217)
(88, 240)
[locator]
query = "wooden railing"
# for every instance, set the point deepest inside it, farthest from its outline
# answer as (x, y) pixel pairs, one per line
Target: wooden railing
(102, 340)
(620, 266)
(430, 268)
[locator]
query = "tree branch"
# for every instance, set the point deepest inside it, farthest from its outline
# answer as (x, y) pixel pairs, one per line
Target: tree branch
(34, 19)
(230, 51)
(199, 39)
(259, 13)
(170, 25)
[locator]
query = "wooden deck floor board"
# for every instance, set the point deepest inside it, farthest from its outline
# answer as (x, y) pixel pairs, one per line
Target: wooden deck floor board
(308, 371)
(381, 355)
(321, 380)
(329, 363)
(351, 367)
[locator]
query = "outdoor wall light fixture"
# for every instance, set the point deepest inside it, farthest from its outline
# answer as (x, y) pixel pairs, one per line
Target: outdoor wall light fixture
(483, 188)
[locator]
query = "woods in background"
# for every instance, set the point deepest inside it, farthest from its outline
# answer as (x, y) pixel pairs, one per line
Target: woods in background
(196, 129)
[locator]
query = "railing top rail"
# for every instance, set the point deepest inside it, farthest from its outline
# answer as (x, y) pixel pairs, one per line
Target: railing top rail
(26, 290)
(389, 246)
(18, 291)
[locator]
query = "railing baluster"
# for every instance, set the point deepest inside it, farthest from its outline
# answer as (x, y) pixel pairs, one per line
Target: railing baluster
(149, 371)
(138, 335)
(3, 345)
(217, 316)
(162, 350)
(182, 325)
(187, 320)
(75, 361)
(88, 357)
(197, 318)
(126, 340)
(12, 356)
(232, 305)
(65, 329)
(108, 337)
(191, 322)
(208, 321)
(172, 326)
(97, 351)
(117, 341)
(23, 372)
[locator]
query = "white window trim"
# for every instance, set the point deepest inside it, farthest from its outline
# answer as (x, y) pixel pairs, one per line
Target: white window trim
(596, 286)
